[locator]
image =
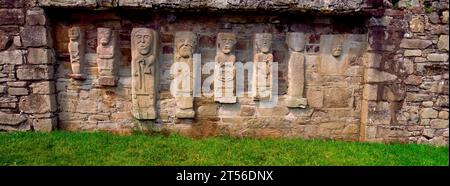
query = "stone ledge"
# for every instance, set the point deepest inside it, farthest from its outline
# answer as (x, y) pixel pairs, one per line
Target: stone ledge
(324, 6)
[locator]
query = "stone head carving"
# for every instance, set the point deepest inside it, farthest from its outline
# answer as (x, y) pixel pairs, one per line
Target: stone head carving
(74, 33)
(295, 41)
(142, 40)
(185, 43)
(105, 36)
(336, 49)
(263, 42)
(226, 42)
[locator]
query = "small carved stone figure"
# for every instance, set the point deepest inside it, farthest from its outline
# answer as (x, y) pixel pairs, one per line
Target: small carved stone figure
(224, 68)
(262, 65)
(108, 56)
(296, 70)
(144, 44)
(76, 52)
(185, 44)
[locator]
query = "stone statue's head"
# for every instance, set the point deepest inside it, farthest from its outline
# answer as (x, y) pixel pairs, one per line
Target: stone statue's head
(185, 43)
(74, 33)
(226, 42)
(263, 42)
(143, 39)
(295, 41)
(336, 49)
(105, 35)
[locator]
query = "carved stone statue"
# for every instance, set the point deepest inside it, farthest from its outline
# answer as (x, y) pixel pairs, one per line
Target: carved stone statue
(76, 52)
(185, 44)
(108, 56)
(144, 46)
(262, 64)
(296, 70)
(224, 68)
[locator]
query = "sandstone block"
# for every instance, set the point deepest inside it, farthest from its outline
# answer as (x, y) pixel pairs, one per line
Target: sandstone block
(40, 56)
(409, 53)
(36, 16)
(11, 119)
(17, 91)
(44, 124)
(437, 57)
(11, 16)
(415, 43)
(439, 124)
(37, 104)
(417, 24)
(45, 87)
(443, 42)
(376, 76)
(35, 72)
(207, 110)
(35, 36)
(428, 113)
(13, 57)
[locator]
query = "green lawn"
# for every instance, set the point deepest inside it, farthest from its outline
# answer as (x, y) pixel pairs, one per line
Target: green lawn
(65, 148)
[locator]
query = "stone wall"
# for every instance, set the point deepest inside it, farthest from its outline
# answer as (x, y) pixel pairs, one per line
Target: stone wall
(392, 84)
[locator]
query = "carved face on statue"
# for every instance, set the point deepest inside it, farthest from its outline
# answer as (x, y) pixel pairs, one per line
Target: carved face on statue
(226, 42)
(142, 40)
(264, 42)
(104, 35)
(336, 49)
(185, 43)
(295, 41)
(74, 33)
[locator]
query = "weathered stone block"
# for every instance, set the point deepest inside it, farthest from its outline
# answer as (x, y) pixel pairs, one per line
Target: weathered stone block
(417, 24)
(415, 43)
(44, 124)
(370, 92)
(409, 53)
(276, 111)
(207, 110)
(16, 84)
(428, 113)
(315, 97)
(4, 41)
(443, 114)
(337, 98)
(35, 36)
(40, 56)
(443, 43)
(444, 16)
(35, 72)
(17, 91)
(45, 87)
(247, 110)
(36, 16)
(13, 57)
(37, 104)
(413, 80)
(69, 3)
(439, 124)
(437, 57)
(11, 17)
(376, 76)
(11, 119)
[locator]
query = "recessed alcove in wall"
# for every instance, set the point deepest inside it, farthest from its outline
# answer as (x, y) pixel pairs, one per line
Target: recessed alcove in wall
(333, 84)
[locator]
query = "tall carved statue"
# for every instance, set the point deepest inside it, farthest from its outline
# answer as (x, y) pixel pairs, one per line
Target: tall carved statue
(76, 51)
(144, 45)
(224, 68)
(296, 70)
(108, 56)
(185, 44)
(262, 64)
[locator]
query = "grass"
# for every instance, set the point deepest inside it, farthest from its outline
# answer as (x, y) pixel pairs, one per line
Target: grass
(66, 148)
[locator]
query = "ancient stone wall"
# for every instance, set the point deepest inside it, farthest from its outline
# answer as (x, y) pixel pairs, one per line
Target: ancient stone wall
(349, 70)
